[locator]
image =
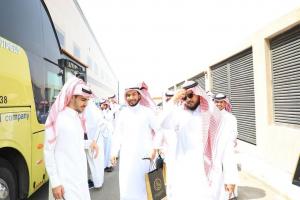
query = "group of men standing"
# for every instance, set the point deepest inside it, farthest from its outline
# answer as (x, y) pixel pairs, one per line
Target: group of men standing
(198, 137)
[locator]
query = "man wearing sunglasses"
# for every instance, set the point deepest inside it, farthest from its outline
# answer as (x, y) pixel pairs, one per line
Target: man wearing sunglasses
(201, 148)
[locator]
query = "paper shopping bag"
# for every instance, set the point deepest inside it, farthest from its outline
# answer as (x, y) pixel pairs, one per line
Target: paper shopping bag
(155, 185)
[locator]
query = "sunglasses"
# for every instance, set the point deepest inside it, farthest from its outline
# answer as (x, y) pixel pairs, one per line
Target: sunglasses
(188, 96)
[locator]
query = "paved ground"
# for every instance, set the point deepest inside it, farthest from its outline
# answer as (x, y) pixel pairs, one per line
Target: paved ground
(249, 189)
(109, 191)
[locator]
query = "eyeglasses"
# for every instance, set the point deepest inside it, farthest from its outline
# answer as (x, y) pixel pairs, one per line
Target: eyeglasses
(188, 96)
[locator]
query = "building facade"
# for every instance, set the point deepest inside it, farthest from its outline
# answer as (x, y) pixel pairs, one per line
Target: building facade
(77, 38)
(262, 80)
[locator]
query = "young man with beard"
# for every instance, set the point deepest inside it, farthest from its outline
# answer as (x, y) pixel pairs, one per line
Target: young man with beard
(64, 150)
(133, 137)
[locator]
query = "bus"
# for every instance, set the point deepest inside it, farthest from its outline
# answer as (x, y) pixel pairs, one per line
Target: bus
(33, 68)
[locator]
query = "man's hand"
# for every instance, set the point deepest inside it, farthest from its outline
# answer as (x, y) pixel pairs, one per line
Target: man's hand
(113, 160)
(229, 188)
(152, 154)
(58, 192)
(94, 149)
(180, 94)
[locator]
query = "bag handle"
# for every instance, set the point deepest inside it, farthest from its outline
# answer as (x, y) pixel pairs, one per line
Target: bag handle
(232, 197)
(150, 162)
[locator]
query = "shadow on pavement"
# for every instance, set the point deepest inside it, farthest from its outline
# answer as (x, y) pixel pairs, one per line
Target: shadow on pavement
(247, 193)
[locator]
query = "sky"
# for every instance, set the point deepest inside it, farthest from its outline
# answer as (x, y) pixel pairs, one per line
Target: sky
(163, 42)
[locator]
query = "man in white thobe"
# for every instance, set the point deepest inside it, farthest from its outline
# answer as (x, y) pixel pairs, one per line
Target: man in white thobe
(108, 115)
(64, 153)
(133, 136)
(115, 108)
(96, 128)
(223, 104)
(200, 156)
(168, 142)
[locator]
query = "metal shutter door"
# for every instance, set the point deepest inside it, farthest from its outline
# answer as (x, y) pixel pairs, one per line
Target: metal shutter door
(220, 79)
(200, 79)
(242, 95)
(285, 57)
(178, 85)
(234, 77)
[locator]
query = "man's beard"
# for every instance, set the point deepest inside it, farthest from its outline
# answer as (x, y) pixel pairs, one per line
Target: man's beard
(132, 105)
(79, 111)
(193, 107)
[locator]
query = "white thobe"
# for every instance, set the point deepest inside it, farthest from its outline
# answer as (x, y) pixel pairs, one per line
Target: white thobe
(65, 158)
(107, 137)
(168, 146)
(133, 137)
(97, 127)
(226, 159)
(115, 110)
(188, 178)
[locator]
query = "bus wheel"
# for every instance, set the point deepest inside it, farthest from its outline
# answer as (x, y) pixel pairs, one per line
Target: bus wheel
(8, 183)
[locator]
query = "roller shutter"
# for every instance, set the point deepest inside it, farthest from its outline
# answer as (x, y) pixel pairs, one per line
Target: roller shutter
(220, 78)
(242, 95)
(200, 79)
(235, 78)
(285, 57)
(178, 85)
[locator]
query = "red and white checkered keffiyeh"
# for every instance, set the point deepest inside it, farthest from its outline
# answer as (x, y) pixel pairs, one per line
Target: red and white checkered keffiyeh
(72, 87)
(146, 99)
(211, 136)
(222, 97)
(228, 106)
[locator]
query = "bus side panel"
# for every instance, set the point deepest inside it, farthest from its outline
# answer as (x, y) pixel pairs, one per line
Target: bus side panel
(16, 106)
(15, 83)
(38, 163)
(15, 140)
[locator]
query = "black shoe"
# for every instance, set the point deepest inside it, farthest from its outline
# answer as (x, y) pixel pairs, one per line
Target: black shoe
(108, 169)
(91, 184)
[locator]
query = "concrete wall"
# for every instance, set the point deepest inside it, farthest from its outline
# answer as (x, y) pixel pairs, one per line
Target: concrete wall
(274, 157)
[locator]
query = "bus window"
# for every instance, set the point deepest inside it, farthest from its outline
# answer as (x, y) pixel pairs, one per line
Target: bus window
(52, 52)
(46, 93)
(37, 71)
(48, 71)
(27, 24)
(21, 23)
(52, 88)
